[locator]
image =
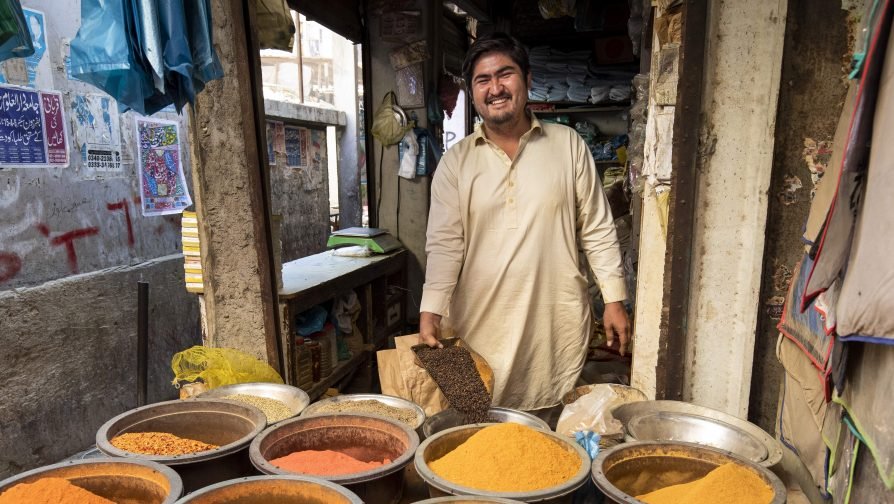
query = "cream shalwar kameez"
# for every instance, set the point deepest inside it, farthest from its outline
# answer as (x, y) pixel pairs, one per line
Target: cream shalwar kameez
(503, 264)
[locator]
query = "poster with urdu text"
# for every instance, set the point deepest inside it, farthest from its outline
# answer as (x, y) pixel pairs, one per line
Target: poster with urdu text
(163, 187)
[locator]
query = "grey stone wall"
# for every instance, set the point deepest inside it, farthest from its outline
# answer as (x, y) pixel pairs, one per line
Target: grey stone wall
(68, 308)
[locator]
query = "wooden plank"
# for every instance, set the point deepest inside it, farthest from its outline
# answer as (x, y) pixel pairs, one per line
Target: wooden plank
(581, 110)
(326, 272)
(337, 374)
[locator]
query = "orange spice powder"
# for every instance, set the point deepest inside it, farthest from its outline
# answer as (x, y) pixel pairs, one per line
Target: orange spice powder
(158, 443)
(324, 463)
(55, 490)
(508, 457)
(729, 484)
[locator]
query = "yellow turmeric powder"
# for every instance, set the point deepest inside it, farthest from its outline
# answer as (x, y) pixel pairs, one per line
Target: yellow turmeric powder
(508, 458)
(729, 484)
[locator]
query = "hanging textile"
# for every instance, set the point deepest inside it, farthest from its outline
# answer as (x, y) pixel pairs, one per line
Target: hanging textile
(102, 52)
(275, 27)
(865, 307)
(147, 54)
(807, 328)
(15, 38)
(835, 242)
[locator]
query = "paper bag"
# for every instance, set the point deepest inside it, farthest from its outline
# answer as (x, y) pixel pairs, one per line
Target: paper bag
(400, 376)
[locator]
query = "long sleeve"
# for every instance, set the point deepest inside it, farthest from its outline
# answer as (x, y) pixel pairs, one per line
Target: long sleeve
(445, 240)
(596, 228)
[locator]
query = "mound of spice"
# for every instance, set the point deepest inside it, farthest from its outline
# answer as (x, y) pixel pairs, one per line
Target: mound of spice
(729, 483)
(55, 490)
(373, 407)
(453, 369)
(158, 443)
(324, 463)
(274, 410)
(508, 458)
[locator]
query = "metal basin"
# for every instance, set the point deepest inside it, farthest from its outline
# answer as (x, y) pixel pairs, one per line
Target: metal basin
(687, 422)
(395, 402)
(641, 467)
(468, 500)
(364, 437)
(273, 490)
(123, 481)
(450, 418)
(229, 424)
(444, 442)
(293, 397)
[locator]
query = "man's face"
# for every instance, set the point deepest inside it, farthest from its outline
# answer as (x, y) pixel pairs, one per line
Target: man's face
(499, 89)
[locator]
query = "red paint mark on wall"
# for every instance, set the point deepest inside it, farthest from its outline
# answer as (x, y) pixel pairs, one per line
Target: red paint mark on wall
(10, 265)
(67, 239)
(123, 205)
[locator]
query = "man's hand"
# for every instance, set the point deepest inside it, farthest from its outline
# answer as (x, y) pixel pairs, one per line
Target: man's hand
(617, 325)
(430, 329)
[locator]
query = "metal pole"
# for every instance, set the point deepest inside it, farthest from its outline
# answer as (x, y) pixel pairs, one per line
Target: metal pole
(142, 342)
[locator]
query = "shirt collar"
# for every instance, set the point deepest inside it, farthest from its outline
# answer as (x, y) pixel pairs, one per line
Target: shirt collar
(480, 136)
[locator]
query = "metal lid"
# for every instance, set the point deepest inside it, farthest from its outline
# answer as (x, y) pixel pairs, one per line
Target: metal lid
(676, 426)
(698, 424)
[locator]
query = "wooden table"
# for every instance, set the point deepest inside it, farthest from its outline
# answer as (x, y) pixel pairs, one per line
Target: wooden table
(322, 277)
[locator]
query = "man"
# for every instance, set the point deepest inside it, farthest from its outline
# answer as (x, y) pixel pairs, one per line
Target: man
(510, 203)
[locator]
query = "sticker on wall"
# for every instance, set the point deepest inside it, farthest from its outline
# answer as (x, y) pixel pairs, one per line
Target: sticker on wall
(54, 128)
(296, 147)
(97, 132)
(162, 184)
(38, 73)
(26, 140)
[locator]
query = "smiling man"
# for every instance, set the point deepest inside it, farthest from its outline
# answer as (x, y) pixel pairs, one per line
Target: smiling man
(510, 204)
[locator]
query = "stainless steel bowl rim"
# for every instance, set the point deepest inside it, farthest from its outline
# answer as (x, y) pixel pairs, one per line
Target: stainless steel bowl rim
(103, 441)
(170, 474)
(259, 389)
(388, 400)
(531, 420)
(351, 496)
(467, 498)
(398, 464)
(626, 412)
(601, 481)
(451, 488)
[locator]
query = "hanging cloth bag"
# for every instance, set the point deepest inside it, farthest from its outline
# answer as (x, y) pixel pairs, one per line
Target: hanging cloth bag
(390, 122)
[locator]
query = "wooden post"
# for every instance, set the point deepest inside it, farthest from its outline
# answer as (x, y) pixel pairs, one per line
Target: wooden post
(231, 193)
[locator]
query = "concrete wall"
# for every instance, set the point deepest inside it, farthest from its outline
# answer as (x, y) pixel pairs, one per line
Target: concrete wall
(68, 315)
(406, 217)
(301, 197)
(809, 105)
(744, 54)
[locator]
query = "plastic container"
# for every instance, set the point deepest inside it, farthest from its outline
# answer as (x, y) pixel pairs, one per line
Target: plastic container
(302, 365)
(326, 362)
(316, 357)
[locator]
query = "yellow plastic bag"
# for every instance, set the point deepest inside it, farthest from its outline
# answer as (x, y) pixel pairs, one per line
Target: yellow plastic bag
(220, 366)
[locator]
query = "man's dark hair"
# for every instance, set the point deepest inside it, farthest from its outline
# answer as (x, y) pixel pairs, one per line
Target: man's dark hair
(496, 42)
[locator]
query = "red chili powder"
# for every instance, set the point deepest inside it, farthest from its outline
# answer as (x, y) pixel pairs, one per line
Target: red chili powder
(324, 463)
